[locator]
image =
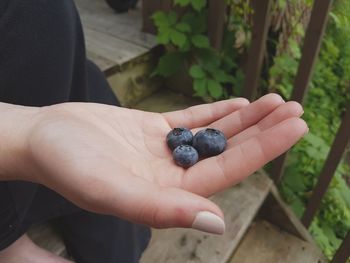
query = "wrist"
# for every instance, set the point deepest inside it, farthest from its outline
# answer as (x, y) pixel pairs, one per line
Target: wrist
(15, 126)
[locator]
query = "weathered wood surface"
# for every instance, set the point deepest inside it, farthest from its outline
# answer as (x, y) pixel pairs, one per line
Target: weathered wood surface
(277, 212)
(96, 15)
(262, 16)
(112, 39)
(240, 205)
(265, 243)
(131, 82)
(110, 48)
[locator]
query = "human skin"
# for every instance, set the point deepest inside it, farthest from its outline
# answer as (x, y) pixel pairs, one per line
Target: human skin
(115, 161)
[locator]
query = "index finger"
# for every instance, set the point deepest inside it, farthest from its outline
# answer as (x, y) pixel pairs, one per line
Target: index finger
(204, 114)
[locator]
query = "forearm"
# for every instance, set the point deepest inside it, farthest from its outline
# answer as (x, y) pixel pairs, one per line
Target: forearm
(15, 123)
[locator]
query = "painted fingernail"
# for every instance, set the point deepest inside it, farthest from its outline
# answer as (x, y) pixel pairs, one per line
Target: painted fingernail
(209, 222)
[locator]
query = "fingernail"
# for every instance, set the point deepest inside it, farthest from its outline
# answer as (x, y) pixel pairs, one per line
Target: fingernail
(209, 222)
(307, 131)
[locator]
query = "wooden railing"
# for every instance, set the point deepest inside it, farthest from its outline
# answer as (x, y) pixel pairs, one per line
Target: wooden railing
(312, 42)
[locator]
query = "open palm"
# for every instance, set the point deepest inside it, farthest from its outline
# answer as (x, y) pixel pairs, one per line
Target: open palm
(115, 161)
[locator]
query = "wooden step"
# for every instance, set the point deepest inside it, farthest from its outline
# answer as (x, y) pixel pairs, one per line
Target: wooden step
(266, 243)
(112, 39)
(116, 44)
(239, 204)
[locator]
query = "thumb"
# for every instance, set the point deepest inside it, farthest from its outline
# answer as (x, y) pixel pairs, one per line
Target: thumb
(165, 207)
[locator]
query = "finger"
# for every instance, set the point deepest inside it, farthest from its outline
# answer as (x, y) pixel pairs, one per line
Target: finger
(165, 207)
(217, 173)
(284, 111)
(247, 116)
(203, 115)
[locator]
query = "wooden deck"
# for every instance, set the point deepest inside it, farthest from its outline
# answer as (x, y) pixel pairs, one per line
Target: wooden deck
(112, 39)
(265, 242)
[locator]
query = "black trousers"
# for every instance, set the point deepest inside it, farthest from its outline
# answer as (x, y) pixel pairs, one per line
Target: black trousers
(43, 62)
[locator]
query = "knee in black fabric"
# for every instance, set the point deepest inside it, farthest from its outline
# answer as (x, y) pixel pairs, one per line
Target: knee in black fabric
(94, 238)
(10, 228)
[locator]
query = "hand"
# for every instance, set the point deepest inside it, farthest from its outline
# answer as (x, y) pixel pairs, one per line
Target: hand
(115, 161)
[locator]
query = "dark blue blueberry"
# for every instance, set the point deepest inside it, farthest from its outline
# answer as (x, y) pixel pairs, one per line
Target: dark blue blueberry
(185, 155)
(209, 142)
(179, 136)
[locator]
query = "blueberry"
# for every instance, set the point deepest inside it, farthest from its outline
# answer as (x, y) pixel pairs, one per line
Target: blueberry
(179, 136)
(185, 155)
(209, 142)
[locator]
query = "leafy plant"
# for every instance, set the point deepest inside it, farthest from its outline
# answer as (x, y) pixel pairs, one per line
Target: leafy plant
(187, 46)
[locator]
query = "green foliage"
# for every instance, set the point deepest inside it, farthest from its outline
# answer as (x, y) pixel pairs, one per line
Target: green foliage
(216, 74)
(326, 100)
(188, 46)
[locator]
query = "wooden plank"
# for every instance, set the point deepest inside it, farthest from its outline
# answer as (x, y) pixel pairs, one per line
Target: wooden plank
(266, 243)
(261, 24)
(131, 83)
(312, 43)
(128, 26)
(102, 62)
(109, 48)
(278, 213)
(310, 51)
(240, 204)
(334, 157)
(343, 252)
(216, 21)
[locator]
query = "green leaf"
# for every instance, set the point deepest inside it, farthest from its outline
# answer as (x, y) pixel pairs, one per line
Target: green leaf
(169, 64)
(221, 76)
(298, 207)
(178, 38)
(197, 21)
(183, 27)
(182, 2)
(198, 5)
(163, 37)
(160, 19)
(172, 18)
(294, 179)
(186, 47)
(200, 41)
(197, 72)
(208, 59)
(200, 87)
(215, 89)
